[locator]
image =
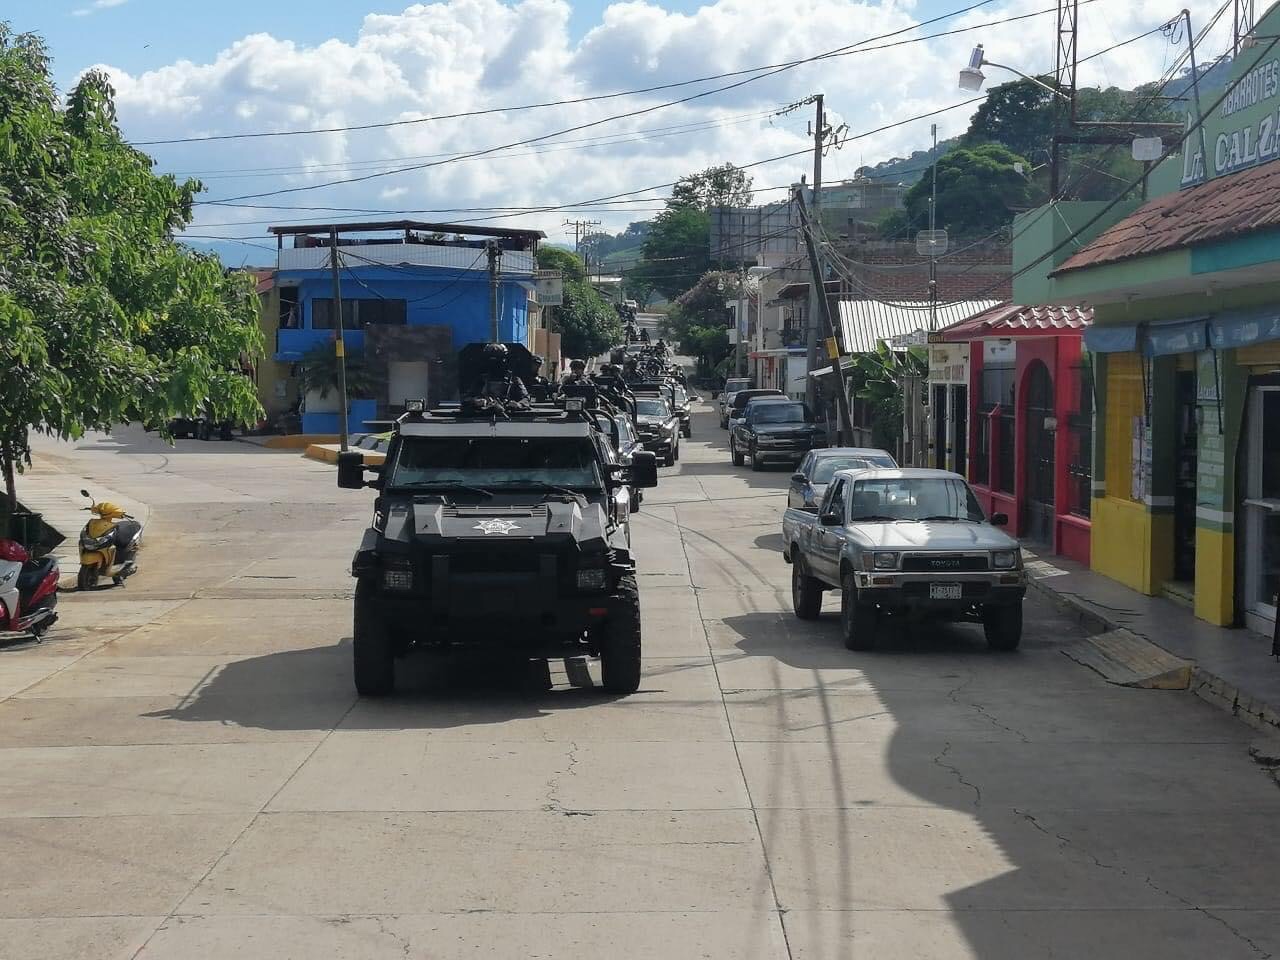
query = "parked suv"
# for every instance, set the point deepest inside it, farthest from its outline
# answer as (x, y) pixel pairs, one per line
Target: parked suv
(733, 410)
(774, 430)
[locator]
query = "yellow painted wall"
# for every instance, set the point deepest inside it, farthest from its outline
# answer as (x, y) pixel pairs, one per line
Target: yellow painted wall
(1121, 541)
(1215, 576)
(1124, 402)
(1259, 355)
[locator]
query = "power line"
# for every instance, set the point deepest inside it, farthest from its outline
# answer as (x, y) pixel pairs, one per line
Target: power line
(224, 173)
(569, 101)
(840, 51)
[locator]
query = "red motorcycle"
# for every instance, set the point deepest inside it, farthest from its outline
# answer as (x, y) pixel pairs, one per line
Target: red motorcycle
(28, 591)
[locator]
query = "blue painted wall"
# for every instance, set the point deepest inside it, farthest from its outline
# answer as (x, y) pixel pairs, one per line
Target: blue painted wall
(454, 298)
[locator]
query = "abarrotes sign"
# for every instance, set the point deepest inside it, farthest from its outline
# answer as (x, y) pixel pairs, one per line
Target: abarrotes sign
(1244, 129)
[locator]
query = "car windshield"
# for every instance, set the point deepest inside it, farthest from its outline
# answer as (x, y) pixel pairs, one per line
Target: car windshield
(733, 386)
(624, 429)
(826, 466)
(652, 408)
(778, 413)
(681, 396)
(494, 462)
(915, 498)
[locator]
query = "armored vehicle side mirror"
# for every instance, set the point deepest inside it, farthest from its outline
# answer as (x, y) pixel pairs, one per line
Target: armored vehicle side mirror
(999, 519)
(644, 469)
(351, 470)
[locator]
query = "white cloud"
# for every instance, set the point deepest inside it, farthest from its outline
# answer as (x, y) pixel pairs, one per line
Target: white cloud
(96, 6)
(459, 55)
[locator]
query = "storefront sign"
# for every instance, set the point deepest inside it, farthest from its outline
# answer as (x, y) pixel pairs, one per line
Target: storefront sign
(1233, 145)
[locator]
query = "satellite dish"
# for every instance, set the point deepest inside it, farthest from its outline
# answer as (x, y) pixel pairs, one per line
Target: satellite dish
(931, 243)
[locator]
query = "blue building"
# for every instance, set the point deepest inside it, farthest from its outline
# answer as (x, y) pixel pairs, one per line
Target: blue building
(412, 294)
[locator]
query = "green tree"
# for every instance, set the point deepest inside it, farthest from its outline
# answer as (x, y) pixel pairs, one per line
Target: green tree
(979, 191)
(698, 320)
(878, 378)
(1019, 116)
(567, 262)
(104, 318)
(676, 252)
(587, 323)
(722, 186)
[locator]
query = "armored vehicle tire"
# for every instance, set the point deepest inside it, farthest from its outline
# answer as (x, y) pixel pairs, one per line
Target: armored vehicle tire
(735, 454)
(620, 642)
(857, 620)
(806, 592)
(372, 650)
(1003, 626)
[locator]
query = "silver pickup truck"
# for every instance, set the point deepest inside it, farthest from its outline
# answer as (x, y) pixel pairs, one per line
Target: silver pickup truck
(904, 541)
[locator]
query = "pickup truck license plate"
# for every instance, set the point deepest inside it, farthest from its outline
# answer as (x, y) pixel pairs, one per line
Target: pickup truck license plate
(945, 591)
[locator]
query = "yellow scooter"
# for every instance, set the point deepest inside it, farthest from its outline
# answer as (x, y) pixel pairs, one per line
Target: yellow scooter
(108, 544)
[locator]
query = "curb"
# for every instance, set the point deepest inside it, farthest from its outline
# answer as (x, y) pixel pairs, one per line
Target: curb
(1205, 684)
(328, 453)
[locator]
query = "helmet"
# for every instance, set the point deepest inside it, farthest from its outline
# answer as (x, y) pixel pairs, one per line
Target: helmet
(575, 364)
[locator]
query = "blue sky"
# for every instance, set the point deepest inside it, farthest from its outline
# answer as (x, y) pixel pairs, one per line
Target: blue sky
(187, 69)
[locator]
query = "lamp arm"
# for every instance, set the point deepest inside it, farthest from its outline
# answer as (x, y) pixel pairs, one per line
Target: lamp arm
(1039, 83)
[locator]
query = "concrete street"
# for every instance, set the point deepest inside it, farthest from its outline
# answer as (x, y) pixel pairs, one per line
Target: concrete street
(186, 772)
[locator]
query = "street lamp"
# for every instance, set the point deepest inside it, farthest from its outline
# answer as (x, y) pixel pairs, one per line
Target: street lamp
(972, 77)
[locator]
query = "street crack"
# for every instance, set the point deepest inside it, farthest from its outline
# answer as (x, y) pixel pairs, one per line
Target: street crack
(940, 760)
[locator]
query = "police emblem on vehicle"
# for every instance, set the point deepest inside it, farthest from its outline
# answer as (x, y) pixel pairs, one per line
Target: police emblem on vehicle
(496, 526)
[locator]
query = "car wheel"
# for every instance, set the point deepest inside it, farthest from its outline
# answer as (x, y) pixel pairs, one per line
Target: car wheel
(675, 450)
(756, 463)
(620, 641)
(687, 431)
(735, 455)
(372, 650)
(857, 620)
(806, 592)
(1003, 626)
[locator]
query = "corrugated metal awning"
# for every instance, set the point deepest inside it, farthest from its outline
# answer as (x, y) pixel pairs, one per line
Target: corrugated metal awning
(865, 323)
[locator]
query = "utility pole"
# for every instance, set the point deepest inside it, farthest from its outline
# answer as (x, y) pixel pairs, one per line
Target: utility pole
(339, 344)
(933, 237)
(815, 269)
(495, 255)
(818, 290)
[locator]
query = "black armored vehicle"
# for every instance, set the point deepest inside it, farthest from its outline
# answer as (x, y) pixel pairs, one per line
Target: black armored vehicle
(499, 525)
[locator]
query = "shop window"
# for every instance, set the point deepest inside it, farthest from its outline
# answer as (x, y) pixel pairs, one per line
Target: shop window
(1080, 445)
(357, 314)
(995, 426)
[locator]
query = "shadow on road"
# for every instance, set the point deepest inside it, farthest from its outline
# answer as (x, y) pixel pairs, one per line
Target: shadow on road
(312, 690)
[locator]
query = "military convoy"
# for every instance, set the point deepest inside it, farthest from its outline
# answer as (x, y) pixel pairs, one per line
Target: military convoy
(502, 523)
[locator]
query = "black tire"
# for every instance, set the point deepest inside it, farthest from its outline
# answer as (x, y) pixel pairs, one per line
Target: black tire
(806, 592)
(1003, 626)
(224, 432)
(675, 451)
(373, 653)
(687, 431)
(857, 620)
(87, 578)
(620, 641)
(756, 464)
(735, 454)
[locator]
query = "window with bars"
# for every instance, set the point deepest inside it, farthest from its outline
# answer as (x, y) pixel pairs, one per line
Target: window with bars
(1080, 443)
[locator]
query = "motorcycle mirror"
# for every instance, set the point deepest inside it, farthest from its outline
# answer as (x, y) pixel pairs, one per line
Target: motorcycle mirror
(85, 493)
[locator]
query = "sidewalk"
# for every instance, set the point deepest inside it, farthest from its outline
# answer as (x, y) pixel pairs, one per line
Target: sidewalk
(1233, 669)
(47, 489)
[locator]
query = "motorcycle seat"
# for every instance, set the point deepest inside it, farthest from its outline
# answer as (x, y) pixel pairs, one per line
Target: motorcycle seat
(34, 571)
